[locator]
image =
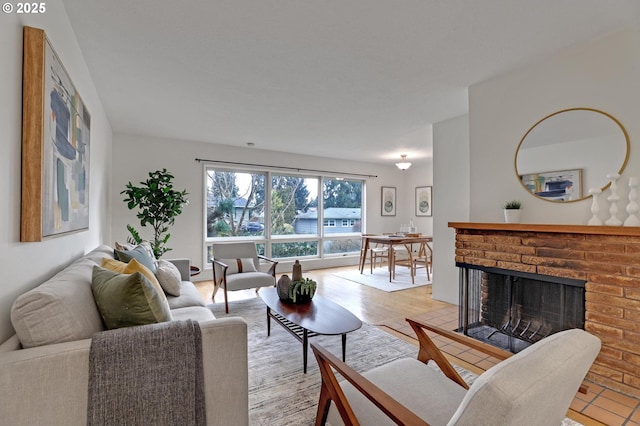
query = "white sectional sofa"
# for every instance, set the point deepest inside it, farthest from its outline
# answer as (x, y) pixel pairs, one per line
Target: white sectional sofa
(44, 366)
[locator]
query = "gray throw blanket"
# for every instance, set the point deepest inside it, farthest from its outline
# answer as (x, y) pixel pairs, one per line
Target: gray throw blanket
(147, 375)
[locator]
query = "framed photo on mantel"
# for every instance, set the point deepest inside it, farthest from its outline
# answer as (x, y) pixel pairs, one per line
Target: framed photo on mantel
(388, 201)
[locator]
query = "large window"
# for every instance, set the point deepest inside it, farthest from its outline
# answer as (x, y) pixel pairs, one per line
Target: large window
(283, 212)
(294, 199)
(235, 203)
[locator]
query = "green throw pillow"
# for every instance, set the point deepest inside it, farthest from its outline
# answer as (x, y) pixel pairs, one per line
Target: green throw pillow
(127, 300)
(138, 253)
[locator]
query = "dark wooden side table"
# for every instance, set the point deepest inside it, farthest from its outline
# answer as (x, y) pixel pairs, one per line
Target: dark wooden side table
(320, 316)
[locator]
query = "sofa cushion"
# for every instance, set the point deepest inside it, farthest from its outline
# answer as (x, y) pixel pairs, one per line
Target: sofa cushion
(142, 253)
(236, 266)
(249, 280)
(61, 309)
(189, 296)
(127, 300)
(196, 313)
(169, 277)
(132, 267)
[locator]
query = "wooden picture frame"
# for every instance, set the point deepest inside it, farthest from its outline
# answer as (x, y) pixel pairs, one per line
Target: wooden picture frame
(55, 145)
(388, 201)
(424, 201)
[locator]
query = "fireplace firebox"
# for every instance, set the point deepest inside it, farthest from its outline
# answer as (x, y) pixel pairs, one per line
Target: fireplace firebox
(513, 309)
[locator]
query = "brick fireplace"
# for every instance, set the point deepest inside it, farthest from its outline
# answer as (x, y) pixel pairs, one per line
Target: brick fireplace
(606, 258)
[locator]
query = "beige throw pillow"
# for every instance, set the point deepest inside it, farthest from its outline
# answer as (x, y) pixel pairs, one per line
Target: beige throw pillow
(169, 277)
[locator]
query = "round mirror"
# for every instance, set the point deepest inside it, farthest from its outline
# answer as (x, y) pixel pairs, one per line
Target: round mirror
(569, 152)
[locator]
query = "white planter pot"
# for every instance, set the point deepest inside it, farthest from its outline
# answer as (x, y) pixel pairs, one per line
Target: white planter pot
(512, 215)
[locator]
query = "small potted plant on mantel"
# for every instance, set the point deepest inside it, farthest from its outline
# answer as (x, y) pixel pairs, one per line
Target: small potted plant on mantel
(512, 211)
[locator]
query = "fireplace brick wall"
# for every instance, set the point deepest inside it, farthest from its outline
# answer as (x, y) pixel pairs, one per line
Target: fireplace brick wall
(607, 258)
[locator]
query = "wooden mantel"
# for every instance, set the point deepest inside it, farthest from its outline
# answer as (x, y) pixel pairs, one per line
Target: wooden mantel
(537, 227)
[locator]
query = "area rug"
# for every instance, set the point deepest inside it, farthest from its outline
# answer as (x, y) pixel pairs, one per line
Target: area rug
(280, 394)
(380, 278)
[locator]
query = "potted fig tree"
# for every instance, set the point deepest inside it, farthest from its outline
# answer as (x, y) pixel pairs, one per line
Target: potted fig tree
(158, 206)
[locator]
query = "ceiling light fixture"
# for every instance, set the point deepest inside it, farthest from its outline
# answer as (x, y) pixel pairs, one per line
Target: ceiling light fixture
(404, 164)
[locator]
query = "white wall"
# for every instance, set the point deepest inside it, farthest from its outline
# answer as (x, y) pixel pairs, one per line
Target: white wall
(602, 74)
(419, 174)
(24, 265)
(450, 201)
(477, 169)
(135, 156)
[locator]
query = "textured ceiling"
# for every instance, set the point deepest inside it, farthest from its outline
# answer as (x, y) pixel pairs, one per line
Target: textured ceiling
(337, 78)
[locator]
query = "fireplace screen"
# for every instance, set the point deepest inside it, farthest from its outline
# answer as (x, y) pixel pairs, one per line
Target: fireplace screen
(512, 310)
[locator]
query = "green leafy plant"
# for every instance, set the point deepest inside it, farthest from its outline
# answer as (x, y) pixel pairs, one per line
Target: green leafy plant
(303, 287)
(512, 205)
(159, 204)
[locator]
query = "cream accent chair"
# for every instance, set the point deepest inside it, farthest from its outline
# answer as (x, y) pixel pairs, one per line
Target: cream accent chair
(236, 266)
(534, 387)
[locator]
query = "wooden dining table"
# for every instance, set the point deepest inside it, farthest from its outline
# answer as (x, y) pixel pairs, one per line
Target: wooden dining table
(391, 241)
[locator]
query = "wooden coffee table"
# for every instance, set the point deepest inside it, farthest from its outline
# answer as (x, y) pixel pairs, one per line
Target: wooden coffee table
(320, 316)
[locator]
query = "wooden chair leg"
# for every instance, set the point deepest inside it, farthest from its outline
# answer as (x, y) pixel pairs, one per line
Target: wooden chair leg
(226, 301)
(216, 287)
(412, 270)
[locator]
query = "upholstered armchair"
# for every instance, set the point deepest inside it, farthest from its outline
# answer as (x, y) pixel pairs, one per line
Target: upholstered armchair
(236, 266)
(534, 387)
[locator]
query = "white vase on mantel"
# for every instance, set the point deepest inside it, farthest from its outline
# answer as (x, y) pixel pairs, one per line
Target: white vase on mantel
(633, 207)
(595, 207)
(613, 199)
(512, 215)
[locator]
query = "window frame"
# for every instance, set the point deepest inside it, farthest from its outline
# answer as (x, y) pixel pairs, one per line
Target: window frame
(267, 239)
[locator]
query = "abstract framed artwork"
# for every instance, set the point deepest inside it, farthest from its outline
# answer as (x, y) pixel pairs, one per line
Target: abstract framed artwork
(561, 185)
(55, 145)
(424, 206)
(388, 201)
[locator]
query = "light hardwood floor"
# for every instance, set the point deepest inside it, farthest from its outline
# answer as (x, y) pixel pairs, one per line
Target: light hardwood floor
(370, 305)
(387, 310)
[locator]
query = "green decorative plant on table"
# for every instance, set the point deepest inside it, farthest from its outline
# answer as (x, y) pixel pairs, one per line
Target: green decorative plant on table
(159, 205)
(302, 291)
(298, 289)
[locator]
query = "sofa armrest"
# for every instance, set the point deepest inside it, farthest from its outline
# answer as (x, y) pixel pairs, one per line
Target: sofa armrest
(184, 266)
(45, 385)
(48, 385)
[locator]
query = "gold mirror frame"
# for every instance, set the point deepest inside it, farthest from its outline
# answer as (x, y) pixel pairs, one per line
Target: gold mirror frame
(584, 197)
